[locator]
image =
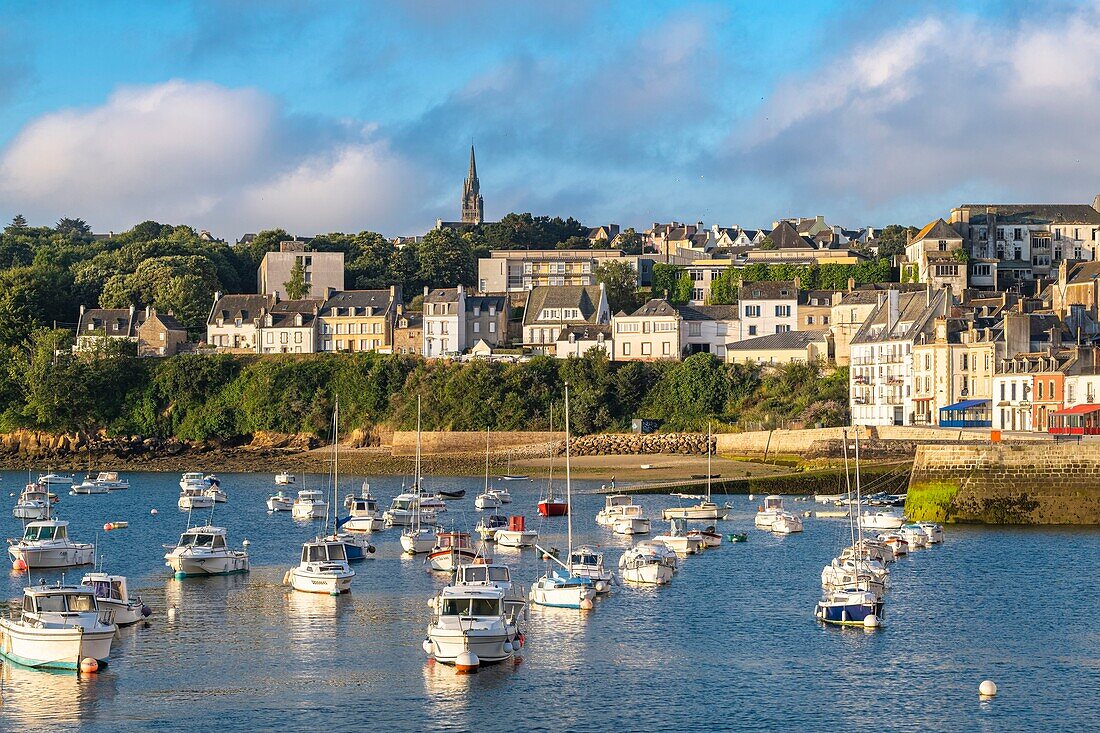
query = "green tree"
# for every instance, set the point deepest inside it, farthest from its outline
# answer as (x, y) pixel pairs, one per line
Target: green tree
(891, 240)
(681, 291)
(630, 242)
(73, 227)
(766, 243)
(18, 224)
(296, 287)
(621, 282)
(723, 289)
(446, 259)
(665, 278)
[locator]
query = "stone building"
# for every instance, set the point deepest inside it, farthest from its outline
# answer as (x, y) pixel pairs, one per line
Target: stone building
(322, 270)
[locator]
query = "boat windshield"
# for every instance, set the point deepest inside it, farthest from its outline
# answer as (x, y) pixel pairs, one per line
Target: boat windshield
(48, 532)
(586, 559)
(471, 607)
(402, 504)
(35, 496)
(474, 574)
(191, 539)
(323, 552)
(62, 602)
(107, 589)
(499, 575)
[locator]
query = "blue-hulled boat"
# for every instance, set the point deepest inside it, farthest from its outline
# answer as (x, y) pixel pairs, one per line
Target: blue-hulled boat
(850, 607)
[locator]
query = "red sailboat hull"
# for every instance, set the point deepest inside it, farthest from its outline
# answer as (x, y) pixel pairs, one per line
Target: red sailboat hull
(553, 508)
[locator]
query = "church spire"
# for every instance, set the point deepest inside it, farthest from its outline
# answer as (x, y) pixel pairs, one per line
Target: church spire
(473, 206)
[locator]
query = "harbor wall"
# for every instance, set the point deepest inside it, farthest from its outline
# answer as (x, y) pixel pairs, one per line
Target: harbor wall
(1006, 483)
(522, 443)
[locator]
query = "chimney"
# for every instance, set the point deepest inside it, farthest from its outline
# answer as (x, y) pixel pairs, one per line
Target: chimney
(425, 292)
(797, 284)
(461, 290)
(81, 310)
(698, 226)
(851, 284)
(892, 309)
(148, 312)
(395, 294)
(217, 296)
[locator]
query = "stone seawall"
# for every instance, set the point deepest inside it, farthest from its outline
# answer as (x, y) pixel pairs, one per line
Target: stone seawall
(521, 443)
(1052, 483)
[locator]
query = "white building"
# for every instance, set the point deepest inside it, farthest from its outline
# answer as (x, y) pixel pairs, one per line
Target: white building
(550, 310)
(579, 340)
(444, 329)
(290, 327)
(234, 321)
(768, 307)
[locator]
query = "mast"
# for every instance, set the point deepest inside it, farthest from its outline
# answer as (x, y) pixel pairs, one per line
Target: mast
(335, 465)
(859, 500)
(486, 490)
(708, 460)
(568, 478)
(848, 486)
(416, 470)
(550, 483)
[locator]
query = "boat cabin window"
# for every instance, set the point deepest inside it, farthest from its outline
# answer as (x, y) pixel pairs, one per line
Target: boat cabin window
(219, 541)
(81, 602)
(323, 553)
(53, 603)
(473, 574)
(402, 504)
(499, 575)
(191, 539)
(336, 551)
(471, 607)
(107, 589)
(49, 532)
(585, 559)
(618, 501)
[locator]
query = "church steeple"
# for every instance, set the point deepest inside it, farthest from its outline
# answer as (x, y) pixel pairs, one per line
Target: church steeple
(473, 207)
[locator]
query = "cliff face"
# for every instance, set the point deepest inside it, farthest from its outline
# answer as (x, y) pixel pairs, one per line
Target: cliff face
(1051, 483)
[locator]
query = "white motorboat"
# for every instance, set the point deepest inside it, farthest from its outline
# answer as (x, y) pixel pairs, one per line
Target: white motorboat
(433, 502)
(488, 526)
(560, 588)
(205, 551)
(310, 504)
(767, 514)
(786, 523)
(869, 549)
(52, 481)
(58, 627)
(418, 540)
(488, 500)
(89, 486)
(933, 531)
(706, 509)
(112, 481)
(450, 550)
(879, 519)
(280, 502)
(284, 478)
(710, 536)
(214, 489)
(501, 493)
(192, 479)
(614, 507)
(363, 515)
(112, 594)
(680, 542)
(516, 534)
(483, 571)
(469, 625)
(647, 563)
(194, 497)
(33, 504)
(631, 525)
(586, 561)
(323, 568)
(46, 544)
(915, 535)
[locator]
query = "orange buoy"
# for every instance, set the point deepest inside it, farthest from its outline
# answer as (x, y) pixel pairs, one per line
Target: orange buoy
(19, 565)
(467, 663)
(107, 527)
(89, 665)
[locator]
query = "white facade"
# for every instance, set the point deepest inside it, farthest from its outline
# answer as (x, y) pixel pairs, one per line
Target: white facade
(759, 317)
(1012, 401)
(444, 331)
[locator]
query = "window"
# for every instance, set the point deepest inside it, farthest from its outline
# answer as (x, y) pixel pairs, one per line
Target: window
(269, 337)
(477, 311)
(942, 244)
(782, 328)
(666, 348)
(1014, 391)
(694, 328)
(297, 337)
(1040, 391)
(752, 330)
(492, 327)
(1017, 234)
(697, 294)
(477, 327)
(626, 348)
(809, 320)
(782, 311)
(284, 337)
(647, 348)
(963, 362)
(752, 311)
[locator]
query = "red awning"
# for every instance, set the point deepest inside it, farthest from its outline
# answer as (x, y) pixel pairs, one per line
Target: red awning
(1077, 410)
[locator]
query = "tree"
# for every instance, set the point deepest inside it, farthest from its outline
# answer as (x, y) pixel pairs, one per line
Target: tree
(892, 239)
(446, 259)
(18, 224)
(621, 283)
(73, 227)
(664, 279)
(296, 287)
(766, 243)
(723, 289)
(681, 292)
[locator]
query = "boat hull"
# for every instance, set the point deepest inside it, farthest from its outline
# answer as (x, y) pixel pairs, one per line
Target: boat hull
(447, 644)
(417, 545)
(553, 508)
(53, 557)
(631, 526)
(696, 513)
(449, 559)
(187, 503)
(325, 583)
(276, 505)
(847, 614)
(30, 513)
(653, 573)
(309, 511)
(516, 538)
(54, 648)
(569, 596)
(187, 566)
(124, 614)
(363, 524)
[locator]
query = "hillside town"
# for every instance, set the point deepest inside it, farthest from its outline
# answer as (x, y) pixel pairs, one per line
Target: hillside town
(987, 318)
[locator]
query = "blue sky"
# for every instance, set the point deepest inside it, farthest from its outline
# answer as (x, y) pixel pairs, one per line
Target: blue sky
(321, 116)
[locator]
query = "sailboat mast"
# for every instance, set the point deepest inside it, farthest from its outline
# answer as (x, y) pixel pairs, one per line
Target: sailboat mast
(335, 463)
(708, 460)
(859, 498)
(550, 482)
(416, 469)
(848, 487)
(568, 478)
(486, 459)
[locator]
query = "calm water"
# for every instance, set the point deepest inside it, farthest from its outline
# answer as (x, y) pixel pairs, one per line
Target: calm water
(730, 644)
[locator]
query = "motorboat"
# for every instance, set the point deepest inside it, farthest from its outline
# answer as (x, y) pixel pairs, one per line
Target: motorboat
(586, 561)
(915, 535)
(56, 481)
(705, 509)
(418, 540)
(214, 489)
(451, 495)
(786, 523)
(46, 544)
(433, 502)
(559, 587)
(57, 627)
(933, 531)
(404, 509)
(679, 542)
(614, 507)
(501, 493)
(470, 620)
(895, 542)
(33, 504)
(647, 563)
(488, 500)
(356, 545)
(284, 478)
(552, 505)
(112, 594)
(632, 523)
(89, 486)
(363, 515)
(112, 481)
(869, 549)
(515, 477)
(850, 607)
(323, 568)
(880, 519)
(483, 571)
(310, 504)
(451, 549)
(711, 536)
(280, 502)
(488, 526)
(205, 551)
(192, 479)
(516, 534)
(769, 512)
(194, 497)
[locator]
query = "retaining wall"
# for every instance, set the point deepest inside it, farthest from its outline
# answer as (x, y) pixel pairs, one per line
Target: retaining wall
(524, 444)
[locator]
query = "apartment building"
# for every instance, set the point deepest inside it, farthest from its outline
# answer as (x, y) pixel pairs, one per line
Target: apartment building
(322, 270)
(289, 327)
(359, 320)
(514, 271)
(650, 333)
(550, 310)
(769, 307)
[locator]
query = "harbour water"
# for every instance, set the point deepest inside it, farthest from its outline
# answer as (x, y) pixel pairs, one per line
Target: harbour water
(730, 644)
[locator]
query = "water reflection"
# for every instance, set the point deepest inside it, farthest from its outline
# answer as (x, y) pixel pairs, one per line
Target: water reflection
(35, 696)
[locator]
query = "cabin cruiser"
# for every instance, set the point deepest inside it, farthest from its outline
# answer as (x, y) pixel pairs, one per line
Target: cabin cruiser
(363, 515)
(483, 571)
(194, 496)
(112, 481)
(632, 522)
(323, 568)
(89, 486)
(56, 481)
(280, 502)
(648, 563)
(559, 588)
(915, 535)
(850, 607)
(614, 507)
(488, 526)
(933, 531)
(214, 489)
(766, 515)
(895, 543)
(868, 549)
(58, 627)
(192, 479)
(310, 504)
(112, 594)
(204, 551)
(880, 519)
(516, 534)
(587, 562)
(433, 502)
(33, 504)
(786, 523)
(470, 618)
(679, 542)
(46, 544)
(451, 549)
(403, 510)
(284, 478)
(704, 509)
(488, 500)
(502, 493)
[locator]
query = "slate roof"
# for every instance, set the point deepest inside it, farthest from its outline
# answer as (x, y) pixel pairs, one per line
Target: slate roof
(778, 341)
(708, 312)
(1035, 213)
(245, 306)
(656, 307)
(483, 302)
(117, 322)
(283, 312)
(365, 302)
(585, 332)
(785, 236)
(584, 297)
(769, 290)
(1082, 272)
(168, 321)
(442, 295)
(915, 309)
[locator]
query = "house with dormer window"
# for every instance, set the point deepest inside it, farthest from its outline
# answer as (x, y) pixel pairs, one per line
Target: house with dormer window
(290, 327)
(233, 322)
(358, 320)
(550, 310)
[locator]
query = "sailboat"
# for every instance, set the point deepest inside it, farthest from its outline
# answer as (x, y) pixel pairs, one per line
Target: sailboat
(706, 508)
(854, 603)
(559, 587)
(417, 539)
(324, 563)
(509, 476)
(551, 506)
(489, 498)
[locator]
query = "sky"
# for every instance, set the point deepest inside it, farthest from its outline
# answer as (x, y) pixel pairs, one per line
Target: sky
(318, 117)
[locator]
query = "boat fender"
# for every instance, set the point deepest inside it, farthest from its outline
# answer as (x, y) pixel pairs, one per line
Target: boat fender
(370, 549)
(19, 566)
(146, 611)
(153, 512)
(987, 689)
(286, 578)
(427, 647)
(508, 647)
(88, 666)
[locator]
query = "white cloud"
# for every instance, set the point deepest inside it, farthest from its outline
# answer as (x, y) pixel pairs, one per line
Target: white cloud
(206, 155)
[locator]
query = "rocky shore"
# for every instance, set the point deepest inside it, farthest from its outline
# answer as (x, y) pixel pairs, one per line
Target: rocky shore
(622, 444)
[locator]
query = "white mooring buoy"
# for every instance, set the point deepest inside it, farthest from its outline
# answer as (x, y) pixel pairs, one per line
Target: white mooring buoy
(871, 621)
(987, 689)
(172, 613)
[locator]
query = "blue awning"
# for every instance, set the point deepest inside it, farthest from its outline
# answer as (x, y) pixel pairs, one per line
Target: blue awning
(965, 405)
